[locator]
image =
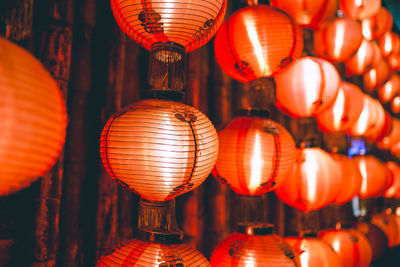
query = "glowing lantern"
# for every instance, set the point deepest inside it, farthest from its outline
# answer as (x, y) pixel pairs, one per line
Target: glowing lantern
(307, 13)
(394, 61)
(375, 176)
(377, 76)
(360, 9)
(388, 224)
(392, 137)
(353, 247)
(254, 246)
(389, 43)
(307, 87)
(33, 120)
(344, 111)
(314, 252)
(395, 149)
(159, 148)
(256, 154)
(376, 26)
(351, 178)
(362, 60)
(376, 237)
(142, 253)
(389, 90)
(381, 124)
(338, 39)
(190, 24)
(315, 180)
(394, 189)
(395, 104)
(247, 48)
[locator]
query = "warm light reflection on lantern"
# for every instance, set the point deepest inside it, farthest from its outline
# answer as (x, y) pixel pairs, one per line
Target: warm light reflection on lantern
(362, 60)
(394, 189)
(360, 9)
(388, 91)
(389, 43)
(395, 105)
(257, 163)
(377, 76)
(375, 26)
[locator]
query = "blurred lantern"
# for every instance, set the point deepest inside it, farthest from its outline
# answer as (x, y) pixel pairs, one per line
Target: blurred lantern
(338, 39)
(351, 179)
(254, 246)
(313, 251)
(143, 253)
(394, 61)
(360, 9)
(394, 189)
(389, 43)
(307, 13)
(375, 176)
(362, 60)
(392, 137)
(395, 104)
(377, 76)
(389, 90)
(376, 237)
(315, 180)
(344, 111)
(307, 87)
(246, 47)
(395, 150)
(189, 24)
(33, 120)
(256, 154)
(376, 26)
(388, 224)
(353, 247)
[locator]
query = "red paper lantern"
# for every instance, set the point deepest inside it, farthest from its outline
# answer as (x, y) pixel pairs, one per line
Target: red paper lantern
(352, 247)
(388, 224)
(394, 61)
(377, 76)
(159, 148)
(389, 43)
(359, 10)
(389, 90)
(307, 87)
(376, 26)
(395, 149)
(254, 247)
(190, 24)
(363, 59)
(344, 111)
(376, 237)
(315, 180)
(307, 13)
(338, 39)
(247, 48)
(256, 154)
(33, 119)
(392, 137)
(394, 189)
(375, 176)
(142, 253)
(314, 252)
(395, 104)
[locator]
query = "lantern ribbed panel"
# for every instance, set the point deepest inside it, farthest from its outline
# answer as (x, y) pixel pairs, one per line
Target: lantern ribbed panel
(253, 250)
(255, 155)
(188, 23)
(338, 39)
(141, 253)
(359, 10)
(389, 90)
(388, 224)
(344, 111)
(314, 182)
(33, 118)
(353, 248)
(307, 87)
(376, 26)
(307, 13)
(389, 43)
(376, 237)
(313, 252)
(392, 137)
(159, 148)
(394, 189)
(362, 60)
(375, 176)
(351, 179)
(247, 48)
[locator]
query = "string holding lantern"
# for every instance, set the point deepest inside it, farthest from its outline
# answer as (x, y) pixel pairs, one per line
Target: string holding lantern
(359, 10)
(375, 26)
(34, 119)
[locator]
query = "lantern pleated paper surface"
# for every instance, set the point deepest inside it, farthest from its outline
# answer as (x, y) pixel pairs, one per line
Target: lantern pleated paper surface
(256, 154)
(353, 247)
(363, 59)
(33, 118)
(394, 189)
(359, 10)
(142, 253)
(257, 248)
(247, 47)
(376, 26)
(306, 87)
(314, 182)
(338, 39)
(313, 252)
(388, 224)
(307, 13)
(190, 24)
(389, 90)
(159, 148)
(376, 237)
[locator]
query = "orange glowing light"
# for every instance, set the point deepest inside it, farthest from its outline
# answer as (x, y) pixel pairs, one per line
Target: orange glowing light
(388, 91)
(360, 9)
(394, 190)
(395, 105)
(376, 26)
(362, 60)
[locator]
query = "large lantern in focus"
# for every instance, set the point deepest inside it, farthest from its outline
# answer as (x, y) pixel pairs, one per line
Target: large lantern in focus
(394, 189)
(359, 10)
(256, 154)
(313, 252)
(247, 48)
(389, 90)
(377, 76)
(307, 13)
(389, 43)
(352, 246)
(314, 182)
(388, 224)
(307, 87)
(375, 176)
(33, 118)
(189, 24)
(344, 111)
(150, 254)
(376, 26)
(376, 237)
(338, 39)
(363, 59)
(254, 246)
